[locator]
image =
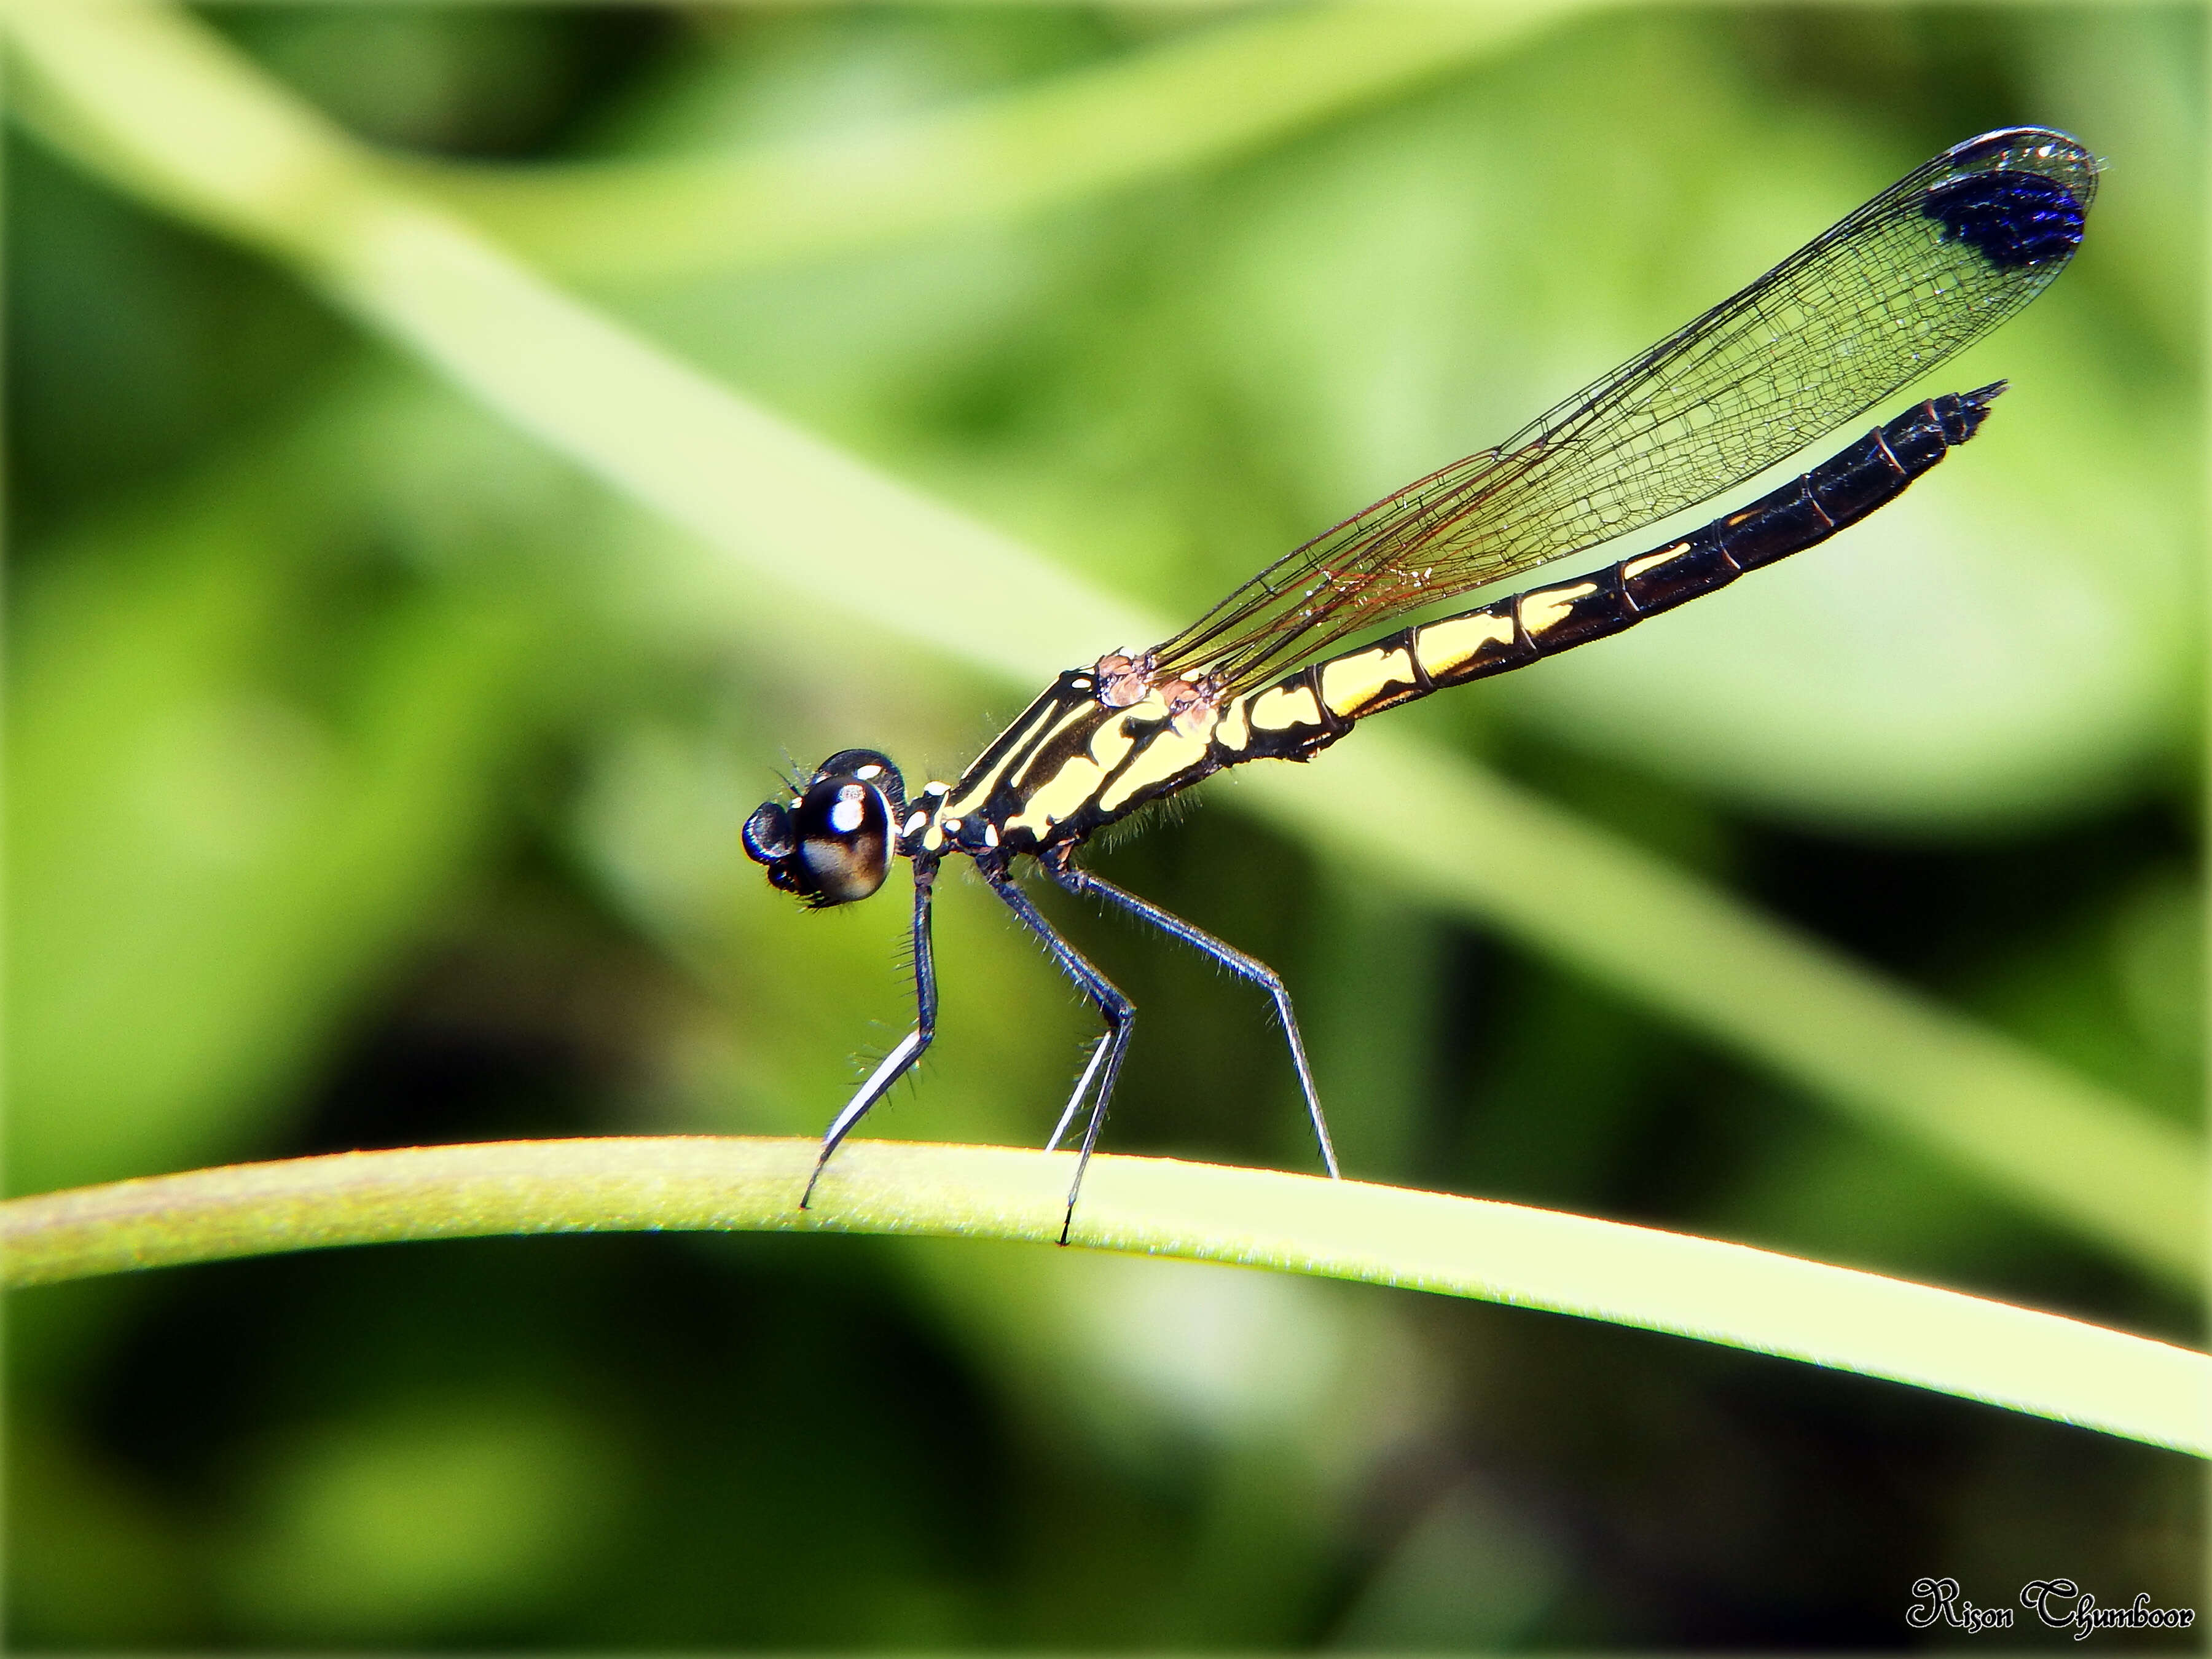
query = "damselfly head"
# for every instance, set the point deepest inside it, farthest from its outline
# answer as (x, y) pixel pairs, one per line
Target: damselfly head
(833, 842)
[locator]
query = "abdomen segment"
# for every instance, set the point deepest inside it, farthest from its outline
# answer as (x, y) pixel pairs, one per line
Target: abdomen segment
(1305, 712)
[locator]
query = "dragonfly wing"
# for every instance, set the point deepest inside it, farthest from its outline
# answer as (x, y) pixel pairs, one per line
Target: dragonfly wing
(1892, 290)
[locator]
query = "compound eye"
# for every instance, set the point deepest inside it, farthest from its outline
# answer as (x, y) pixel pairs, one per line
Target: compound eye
(844, 827)
(767, 835)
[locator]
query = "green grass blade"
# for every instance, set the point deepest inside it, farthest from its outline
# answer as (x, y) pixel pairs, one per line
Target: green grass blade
(162, 106)
(1729, 1293)
(1206, 96)
(1896, 1061)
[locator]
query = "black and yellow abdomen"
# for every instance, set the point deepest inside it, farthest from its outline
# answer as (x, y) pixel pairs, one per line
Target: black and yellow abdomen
(1305, 712)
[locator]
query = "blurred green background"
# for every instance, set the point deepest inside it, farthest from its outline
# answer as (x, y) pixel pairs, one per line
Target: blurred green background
(374, 779)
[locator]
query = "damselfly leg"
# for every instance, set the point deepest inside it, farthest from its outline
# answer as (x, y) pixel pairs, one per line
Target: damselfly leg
(1120, 1014)
(1057, 863)
(900, 1060)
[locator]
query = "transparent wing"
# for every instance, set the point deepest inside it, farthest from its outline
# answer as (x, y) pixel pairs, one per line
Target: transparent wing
(1931, 264)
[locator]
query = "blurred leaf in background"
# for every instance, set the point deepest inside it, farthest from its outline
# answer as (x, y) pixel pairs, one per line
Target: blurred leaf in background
(374, 779)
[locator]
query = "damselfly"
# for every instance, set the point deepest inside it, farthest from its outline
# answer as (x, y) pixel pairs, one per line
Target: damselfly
(1930, 264)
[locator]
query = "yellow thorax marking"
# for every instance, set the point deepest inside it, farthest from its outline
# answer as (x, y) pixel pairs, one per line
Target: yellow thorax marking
(1061, 796)
(978, 795)
(1049, 800)
(1166, 753)
(1170, 747)
(1144, 726)
(1062, 760)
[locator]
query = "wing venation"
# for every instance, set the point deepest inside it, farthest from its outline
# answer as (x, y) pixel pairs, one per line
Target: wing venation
(1895, 287)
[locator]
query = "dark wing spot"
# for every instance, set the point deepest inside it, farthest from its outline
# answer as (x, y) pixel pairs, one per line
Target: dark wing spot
(2012, 219)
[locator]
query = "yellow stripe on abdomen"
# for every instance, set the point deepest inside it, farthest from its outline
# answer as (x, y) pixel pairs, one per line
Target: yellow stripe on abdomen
(1636, 569)
(1545, 608)
(1350, 683)
(1285, 708)
(1447, 649)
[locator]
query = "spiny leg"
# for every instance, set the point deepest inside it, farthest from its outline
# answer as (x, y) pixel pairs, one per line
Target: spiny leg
(1116, 1010)
(1083, 883)
(1082, 1088)
(900, 1060)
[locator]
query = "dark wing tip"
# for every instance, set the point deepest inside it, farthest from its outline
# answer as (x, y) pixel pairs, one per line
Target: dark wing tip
(2019, 197)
